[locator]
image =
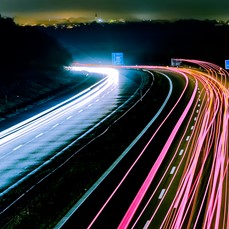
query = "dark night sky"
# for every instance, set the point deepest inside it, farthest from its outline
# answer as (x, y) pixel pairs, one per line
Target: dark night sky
(127, 9)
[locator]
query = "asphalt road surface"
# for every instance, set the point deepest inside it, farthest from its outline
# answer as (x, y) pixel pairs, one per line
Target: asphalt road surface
(171, 164)
(30, 145)
(186, 184)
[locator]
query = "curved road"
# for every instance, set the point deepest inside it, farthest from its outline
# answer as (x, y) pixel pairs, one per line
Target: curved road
(173, 171)
(29, 146)
(105, 216)
(186, 184)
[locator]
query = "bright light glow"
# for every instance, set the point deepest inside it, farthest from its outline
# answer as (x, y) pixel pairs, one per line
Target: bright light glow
(200, 198)
(112, 73)
(111, 77)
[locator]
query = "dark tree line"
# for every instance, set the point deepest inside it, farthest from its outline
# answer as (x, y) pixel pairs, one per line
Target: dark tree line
(31, 65)
(27, 48)
(153, 42)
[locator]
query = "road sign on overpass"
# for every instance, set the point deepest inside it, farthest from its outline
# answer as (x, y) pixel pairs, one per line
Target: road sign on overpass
(117, 58)
(175, 62)
(226, 64)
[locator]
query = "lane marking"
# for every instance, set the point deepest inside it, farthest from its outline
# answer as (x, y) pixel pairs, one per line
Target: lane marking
(39, 135)
(147, 224)
(89, 105)
(187, 138)
(181, 152)
(195, 119)
(192, 127)
(80, 111)
(18, 147)
(68, 117)
(55, 125)
(97, 100)
(161, 194)
(173, 170)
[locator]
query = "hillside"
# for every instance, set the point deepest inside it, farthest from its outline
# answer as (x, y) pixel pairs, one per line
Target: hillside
(31, 66)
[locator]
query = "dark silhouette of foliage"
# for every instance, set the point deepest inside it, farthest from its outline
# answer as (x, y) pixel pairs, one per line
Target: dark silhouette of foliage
(26, 48)
(31, 65)
(153, 42)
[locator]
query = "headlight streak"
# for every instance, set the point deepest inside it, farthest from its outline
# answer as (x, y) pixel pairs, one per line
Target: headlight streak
(77, 101)
(34, 118)
(201, 197)
(92, 92)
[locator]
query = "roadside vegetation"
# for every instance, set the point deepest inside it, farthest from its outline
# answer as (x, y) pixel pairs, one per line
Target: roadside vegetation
(31, 66)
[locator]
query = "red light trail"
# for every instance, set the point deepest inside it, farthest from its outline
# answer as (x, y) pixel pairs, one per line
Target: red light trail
(201, 197)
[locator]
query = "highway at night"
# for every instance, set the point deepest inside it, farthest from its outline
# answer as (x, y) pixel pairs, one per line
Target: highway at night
(186, 185)
(33, 142)
(28, 147)
(192, 191)
(169, 134)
